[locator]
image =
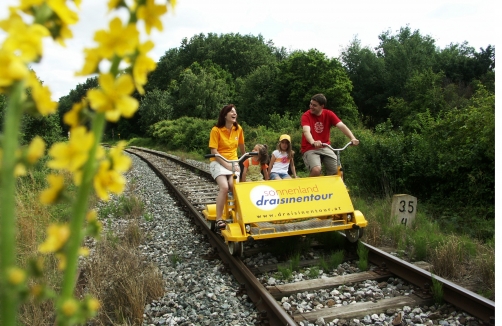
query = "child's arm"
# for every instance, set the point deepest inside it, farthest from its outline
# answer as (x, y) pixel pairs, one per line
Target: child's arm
(272, 160)
(266, 175)
(243, 179)
(292, 166)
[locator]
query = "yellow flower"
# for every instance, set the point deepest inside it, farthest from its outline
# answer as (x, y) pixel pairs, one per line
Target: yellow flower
(151, 13)
(62, 261)
(119, 40)
(91, 216)
(108, 180)
(77, 177)
(36, 150)
(91, 62)
(25, 5)
(121, 162)
(69, 307)
(114, 4)
(74, 118)
(64, 13)
(73, 154)
(93, 304)
(142, 66)
(41, 96)
(83, 251)
(58, 234)
(113, 97)
(16, 275)
(24, 40)
(37, 290)
(64, 34)
(13, 69)
(94, 227)
(19, 170)
(53, 193)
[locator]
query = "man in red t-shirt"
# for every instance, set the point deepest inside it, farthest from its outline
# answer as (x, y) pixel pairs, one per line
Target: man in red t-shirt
(316, 124)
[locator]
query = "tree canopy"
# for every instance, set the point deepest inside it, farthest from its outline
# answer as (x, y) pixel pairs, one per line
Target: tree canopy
(424, 115)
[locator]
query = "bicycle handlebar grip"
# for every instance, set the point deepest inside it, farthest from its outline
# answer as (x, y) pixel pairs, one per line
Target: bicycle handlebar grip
(209, 155)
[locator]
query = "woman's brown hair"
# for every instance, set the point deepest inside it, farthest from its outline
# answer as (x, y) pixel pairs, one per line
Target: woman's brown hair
(223, 113)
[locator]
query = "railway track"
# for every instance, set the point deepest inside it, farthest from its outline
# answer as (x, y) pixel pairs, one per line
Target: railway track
(195, 188)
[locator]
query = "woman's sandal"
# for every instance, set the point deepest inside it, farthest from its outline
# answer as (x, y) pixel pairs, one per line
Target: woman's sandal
(220, 224)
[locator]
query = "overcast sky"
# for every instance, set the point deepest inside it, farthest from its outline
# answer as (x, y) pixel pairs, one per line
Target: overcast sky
(326, 25)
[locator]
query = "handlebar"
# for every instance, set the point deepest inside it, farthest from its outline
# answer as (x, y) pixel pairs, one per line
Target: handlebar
(337, 149)
(244, 157)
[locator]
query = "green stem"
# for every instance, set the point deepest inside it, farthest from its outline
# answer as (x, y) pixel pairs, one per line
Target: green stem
(9, 299)
(78, 216)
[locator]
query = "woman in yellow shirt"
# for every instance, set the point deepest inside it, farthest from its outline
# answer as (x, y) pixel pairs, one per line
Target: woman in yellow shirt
(224, 139)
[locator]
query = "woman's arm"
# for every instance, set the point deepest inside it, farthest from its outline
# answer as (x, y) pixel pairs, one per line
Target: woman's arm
(226, 165)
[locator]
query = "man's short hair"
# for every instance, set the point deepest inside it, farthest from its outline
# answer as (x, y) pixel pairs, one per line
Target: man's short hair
(320, 98)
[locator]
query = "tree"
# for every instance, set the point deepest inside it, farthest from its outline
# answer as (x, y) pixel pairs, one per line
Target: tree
(47, 127)
(238, 54)
(304, 74)
(366, 71)
(75, 96)
(168, 68)
(422, 92)
(462, 65)
(257, 95)
(201, 91)
(404, 53)
(155, 106)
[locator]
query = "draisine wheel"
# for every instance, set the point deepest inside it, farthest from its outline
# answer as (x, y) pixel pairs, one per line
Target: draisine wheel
(361, 233)
(352, 235)
(235, 248)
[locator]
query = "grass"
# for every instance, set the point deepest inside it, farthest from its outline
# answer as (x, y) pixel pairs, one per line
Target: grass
(175, 259)
(116, 274)
(362, 252)
(313, 272)
(437, 291)
(295, 262)
(332, 261)
(453, 256)
(122, 281)
(284, 273)
(32, 221)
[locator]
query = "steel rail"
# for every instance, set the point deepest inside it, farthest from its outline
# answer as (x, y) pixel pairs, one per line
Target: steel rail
(454, 294)
(464, 299)
(264, 302)
(163, 154)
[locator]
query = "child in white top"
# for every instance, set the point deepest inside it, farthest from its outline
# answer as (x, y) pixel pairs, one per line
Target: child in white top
(282, 160)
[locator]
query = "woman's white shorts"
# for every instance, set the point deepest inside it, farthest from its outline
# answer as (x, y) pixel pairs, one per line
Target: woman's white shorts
(217, 169)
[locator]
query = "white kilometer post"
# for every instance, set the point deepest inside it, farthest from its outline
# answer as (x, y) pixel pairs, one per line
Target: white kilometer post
(404, 209)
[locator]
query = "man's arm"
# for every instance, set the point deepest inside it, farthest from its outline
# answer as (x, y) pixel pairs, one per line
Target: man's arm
(309, 138)
(346, 131)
